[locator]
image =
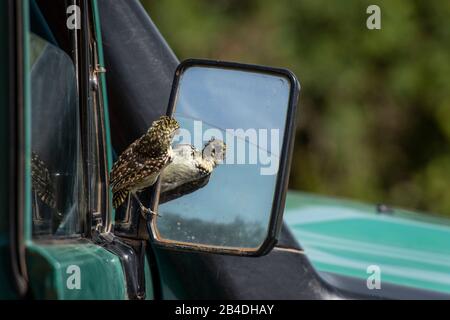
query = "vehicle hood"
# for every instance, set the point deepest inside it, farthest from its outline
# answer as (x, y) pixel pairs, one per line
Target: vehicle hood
(345, 237)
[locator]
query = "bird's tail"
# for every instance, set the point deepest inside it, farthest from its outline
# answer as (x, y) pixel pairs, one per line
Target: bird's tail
(119, 197)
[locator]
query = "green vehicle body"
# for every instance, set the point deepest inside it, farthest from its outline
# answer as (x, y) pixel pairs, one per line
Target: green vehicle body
(47, 262)
(345, 237)
(337, 236)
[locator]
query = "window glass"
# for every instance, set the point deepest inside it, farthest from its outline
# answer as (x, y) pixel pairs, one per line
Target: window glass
(57, 185)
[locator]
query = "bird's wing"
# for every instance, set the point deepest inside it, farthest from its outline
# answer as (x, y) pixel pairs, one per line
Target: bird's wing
(136, 171)
(120, 165)
(126, 172)
(130, 161)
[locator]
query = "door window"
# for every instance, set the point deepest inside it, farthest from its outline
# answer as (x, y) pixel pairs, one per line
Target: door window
(68, 153)
(57, 173)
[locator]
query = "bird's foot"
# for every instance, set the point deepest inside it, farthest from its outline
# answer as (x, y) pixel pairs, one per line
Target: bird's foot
(146, 211)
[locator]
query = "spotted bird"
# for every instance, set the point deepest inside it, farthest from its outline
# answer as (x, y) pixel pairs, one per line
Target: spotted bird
(139, 166)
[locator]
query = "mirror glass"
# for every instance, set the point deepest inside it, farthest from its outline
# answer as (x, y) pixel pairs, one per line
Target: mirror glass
(219, 189)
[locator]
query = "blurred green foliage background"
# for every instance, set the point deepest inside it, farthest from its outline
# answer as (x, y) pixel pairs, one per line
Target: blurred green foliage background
(374, 117)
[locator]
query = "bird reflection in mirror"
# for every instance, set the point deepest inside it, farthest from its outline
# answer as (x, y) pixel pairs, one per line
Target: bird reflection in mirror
(190, 169)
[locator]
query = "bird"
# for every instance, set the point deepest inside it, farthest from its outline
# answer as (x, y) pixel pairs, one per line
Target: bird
(139, 166)
(190, 169)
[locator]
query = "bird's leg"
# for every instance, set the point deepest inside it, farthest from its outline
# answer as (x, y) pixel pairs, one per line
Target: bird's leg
(144, 210)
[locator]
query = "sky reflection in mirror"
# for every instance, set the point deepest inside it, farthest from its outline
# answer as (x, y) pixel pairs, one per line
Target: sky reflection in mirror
(234, 208)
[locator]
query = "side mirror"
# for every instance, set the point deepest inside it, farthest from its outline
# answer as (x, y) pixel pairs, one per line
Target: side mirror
(225, 191)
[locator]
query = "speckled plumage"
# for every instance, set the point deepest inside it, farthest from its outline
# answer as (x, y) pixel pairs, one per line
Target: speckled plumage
(190, 168)
(140, 164)
(41, 181)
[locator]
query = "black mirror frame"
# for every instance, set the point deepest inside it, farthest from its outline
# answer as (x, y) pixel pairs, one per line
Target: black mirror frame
(276, 218)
